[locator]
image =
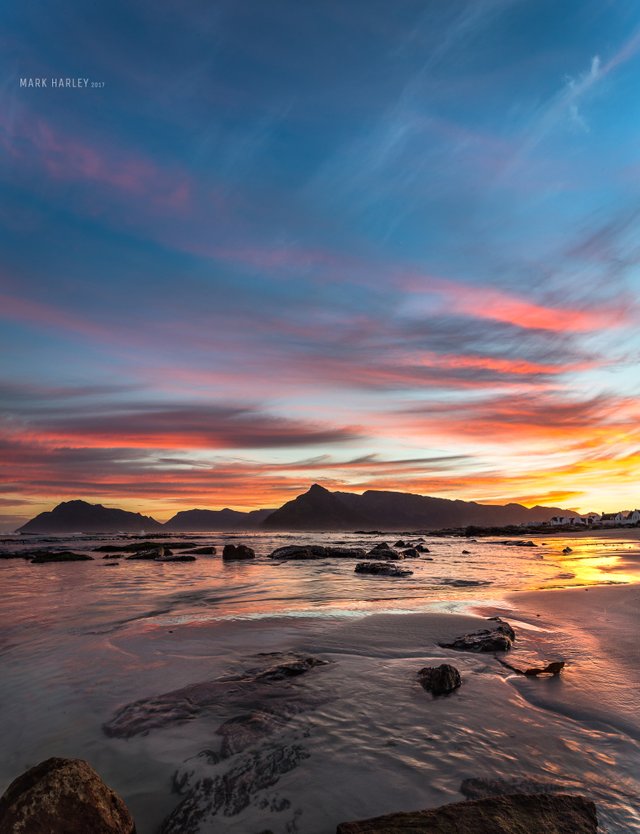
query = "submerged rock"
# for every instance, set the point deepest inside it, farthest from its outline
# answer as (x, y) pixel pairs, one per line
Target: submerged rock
(231, 792)
(517, 543)
(382, 569)
(514, 814)
(440, 680)
(63, 796)
(237, 552)
(567, 550)
(41, 557)
(497, 639)
(146, 714)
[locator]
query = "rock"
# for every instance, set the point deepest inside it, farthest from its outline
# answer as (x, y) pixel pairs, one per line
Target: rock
(202, 551)
(63, 796)
(466, 553)
(400, 544)
(517, 543)
(133, 547)
(497, 639)
(237, 552)
(42, 557)
(567, 550)
(440, 680)
(150, 555)
(381, 569)
(139, 717)
(503, 626)
(410, 553)
(383, 551)
(422, 549)
(297, 552)
(514, 814)
(553, 668)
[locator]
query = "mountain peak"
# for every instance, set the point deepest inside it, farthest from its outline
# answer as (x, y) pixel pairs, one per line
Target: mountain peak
(316, 489)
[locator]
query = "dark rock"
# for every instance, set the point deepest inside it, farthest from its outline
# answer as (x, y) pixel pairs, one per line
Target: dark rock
(497, 639)
(63, 796)
(298, 552)
(237, 552)
(381, 569)
(567, 550)
(186, 703)
(43, 556)
(400, 543)
(383, 551)
(410, 553)
(503, 626)
(149, 555)
(515, 814)
(440, 680)
(466, 553)
(145, 544)
(422, 549)
(517, 543)
(285, 665)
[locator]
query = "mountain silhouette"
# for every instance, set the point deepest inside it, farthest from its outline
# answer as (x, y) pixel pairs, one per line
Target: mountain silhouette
(81, 517)
(316, 509)
(192, 521)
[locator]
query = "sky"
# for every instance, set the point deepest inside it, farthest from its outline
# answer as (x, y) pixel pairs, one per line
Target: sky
(364, 244)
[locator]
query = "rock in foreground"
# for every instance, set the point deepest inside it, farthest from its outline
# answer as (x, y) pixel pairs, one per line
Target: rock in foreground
(516, 814)
(63, 796)
(440, 680)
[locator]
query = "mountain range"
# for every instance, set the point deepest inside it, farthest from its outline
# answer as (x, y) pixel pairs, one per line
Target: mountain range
(316, 509)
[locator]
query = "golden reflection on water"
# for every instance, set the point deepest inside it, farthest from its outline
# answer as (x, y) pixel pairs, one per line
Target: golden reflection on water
(595, 561)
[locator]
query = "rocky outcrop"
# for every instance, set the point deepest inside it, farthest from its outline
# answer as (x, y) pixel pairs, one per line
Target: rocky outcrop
(63, 796)
(515, 814)
(382, 569)
(237, 552)
(176, 557)
(44, 556)
(498, 638)
(440, 680)
(517, 543)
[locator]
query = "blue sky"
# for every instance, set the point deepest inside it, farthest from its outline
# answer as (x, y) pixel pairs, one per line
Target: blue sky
(365, 244)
